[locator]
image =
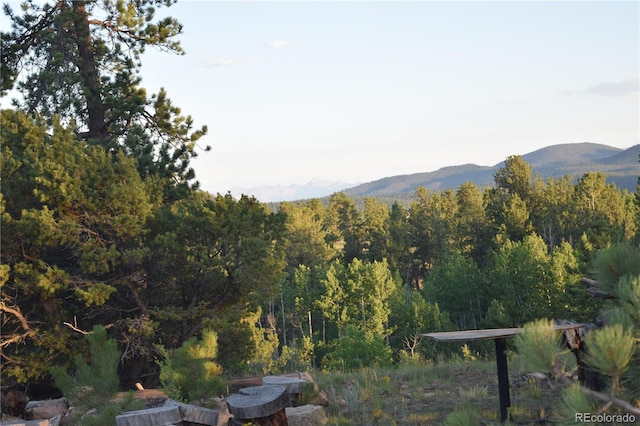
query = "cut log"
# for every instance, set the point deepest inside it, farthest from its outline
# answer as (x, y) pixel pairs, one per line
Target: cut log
(150, 417)
(293, 386)
(318, 397)
(153, 397)
(261, 405)
(195, 415)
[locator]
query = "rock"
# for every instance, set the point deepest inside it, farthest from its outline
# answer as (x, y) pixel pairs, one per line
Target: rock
(14, 402)
(306, 415)
(538, 376)
(36, 410)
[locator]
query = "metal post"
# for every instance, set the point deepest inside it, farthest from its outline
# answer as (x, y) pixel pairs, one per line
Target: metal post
(503, 377)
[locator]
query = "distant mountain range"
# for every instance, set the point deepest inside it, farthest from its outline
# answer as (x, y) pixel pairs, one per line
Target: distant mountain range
(275, 193)
(620, 165)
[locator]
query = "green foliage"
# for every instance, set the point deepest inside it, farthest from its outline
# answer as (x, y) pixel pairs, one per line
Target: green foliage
(609, 266)
(107, 416)
(93, 385)
(296, 358)
(539, 345)
(359, 294)
(69, 252)
(496, 316)
(265, 354)
(529, 281)
(190, 372)
(456, 284)
(357, 349)
(464, 415)
(611, 349)
(411, 316)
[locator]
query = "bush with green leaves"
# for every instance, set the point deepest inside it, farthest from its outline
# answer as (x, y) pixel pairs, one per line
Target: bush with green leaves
(94, 385)
(613, 350)
(356, 349)
(190, 373)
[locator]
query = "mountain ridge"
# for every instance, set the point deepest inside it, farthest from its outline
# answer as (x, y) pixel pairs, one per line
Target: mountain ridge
(620, 165)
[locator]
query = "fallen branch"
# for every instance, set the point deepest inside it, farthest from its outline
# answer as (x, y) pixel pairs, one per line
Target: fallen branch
(593, 287)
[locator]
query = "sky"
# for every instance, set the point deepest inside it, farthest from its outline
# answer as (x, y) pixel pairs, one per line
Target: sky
(294, 91)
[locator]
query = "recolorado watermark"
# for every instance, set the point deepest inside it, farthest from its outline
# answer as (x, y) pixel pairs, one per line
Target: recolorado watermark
(605, 418)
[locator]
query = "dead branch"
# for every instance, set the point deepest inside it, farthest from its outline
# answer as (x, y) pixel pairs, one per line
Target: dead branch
(74, 327)
(593, 287)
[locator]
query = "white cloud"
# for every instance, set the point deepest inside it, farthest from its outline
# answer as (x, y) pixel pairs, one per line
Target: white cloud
(276, 44)
(621, 88)
(224, 62)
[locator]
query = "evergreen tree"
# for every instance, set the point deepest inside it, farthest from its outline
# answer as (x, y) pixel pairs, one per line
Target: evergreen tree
(80, 60)
(66, 252)
(456, 285)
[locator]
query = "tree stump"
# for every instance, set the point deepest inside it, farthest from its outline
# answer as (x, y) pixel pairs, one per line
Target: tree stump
(293, 386)
(260, 405)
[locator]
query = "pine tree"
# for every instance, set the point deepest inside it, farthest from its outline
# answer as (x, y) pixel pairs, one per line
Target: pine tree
(80, 60)
(613, 350)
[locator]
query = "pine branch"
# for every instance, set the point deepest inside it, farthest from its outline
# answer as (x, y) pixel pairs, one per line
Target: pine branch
(608, 399)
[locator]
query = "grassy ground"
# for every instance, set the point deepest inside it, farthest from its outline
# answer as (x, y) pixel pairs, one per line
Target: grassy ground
(425, 394)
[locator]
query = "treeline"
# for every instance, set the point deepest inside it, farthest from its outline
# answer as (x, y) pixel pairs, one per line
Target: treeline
(89, 238)
(449, 260)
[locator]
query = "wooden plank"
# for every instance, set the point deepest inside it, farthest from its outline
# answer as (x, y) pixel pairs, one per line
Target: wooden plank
(489, 333)
(458, 336)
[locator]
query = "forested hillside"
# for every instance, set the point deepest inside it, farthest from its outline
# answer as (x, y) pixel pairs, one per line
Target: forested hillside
(103, 224)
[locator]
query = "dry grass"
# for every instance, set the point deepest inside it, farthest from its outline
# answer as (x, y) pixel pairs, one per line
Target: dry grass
(425, 394)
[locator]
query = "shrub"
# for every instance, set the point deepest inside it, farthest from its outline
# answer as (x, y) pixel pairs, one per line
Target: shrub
(93, 385)
(190, 372)
(356, 350)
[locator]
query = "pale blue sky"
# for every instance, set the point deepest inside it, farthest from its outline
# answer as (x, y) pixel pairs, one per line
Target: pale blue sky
(356, 91)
